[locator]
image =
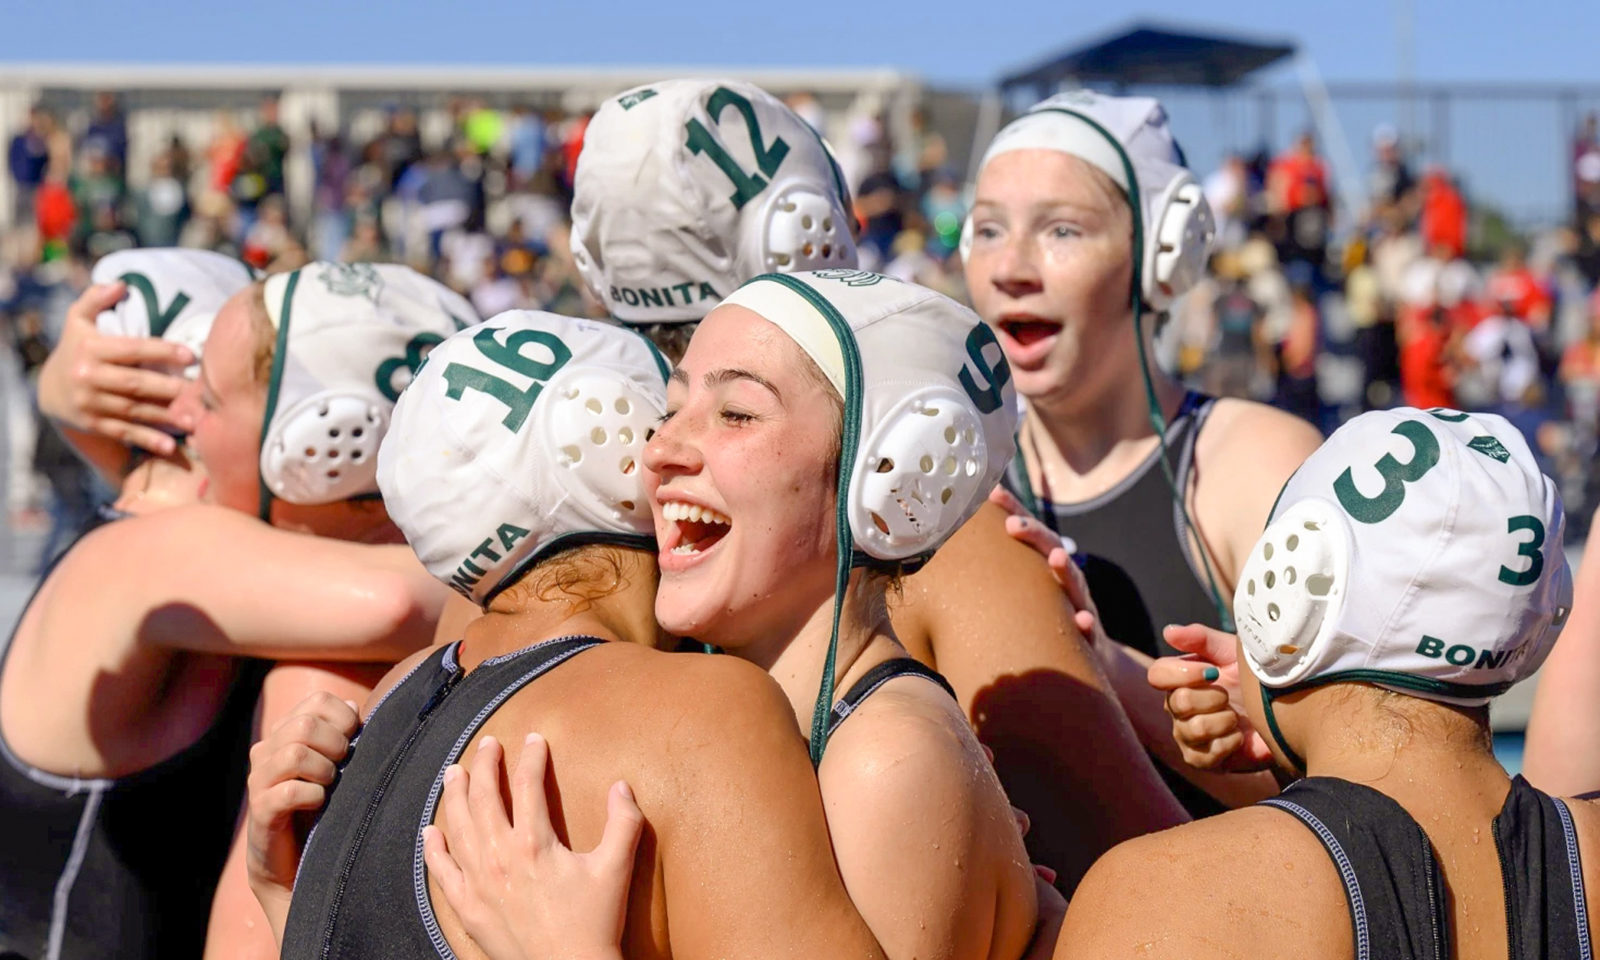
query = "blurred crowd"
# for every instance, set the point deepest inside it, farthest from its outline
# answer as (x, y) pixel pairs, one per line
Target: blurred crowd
(1422, 300)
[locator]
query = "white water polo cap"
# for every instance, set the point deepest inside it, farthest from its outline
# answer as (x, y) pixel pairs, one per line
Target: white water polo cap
(930, 412)
(687, 188)
(1128, 139)
(173, 294)
(349, 339)
(1417, 550)
(520, 436)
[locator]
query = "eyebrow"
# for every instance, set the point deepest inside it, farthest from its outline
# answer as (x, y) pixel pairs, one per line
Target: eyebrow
(717, 378)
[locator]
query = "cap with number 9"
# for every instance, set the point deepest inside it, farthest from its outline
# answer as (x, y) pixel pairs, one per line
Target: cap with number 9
(1417, 550)
(517, 438)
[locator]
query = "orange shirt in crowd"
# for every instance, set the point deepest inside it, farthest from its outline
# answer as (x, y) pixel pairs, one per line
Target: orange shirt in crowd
(1444, 215)
(1294, 175)
(1523, 292)
(1426, 380)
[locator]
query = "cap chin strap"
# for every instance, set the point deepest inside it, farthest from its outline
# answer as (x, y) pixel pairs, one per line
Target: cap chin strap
(849, 442)
(1157, 419)
(1267, 696)
(280, 353)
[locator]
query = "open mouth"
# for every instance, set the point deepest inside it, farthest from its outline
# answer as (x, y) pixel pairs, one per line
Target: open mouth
(698, 528)
(1029, 331)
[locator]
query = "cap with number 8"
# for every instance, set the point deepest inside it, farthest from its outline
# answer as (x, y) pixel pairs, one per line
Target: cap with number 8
(1417, 550)
(519, 437)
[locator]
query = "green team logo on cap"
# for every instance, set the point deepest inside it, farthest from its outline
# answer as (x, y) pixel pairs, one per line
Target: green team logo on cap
(630, 100)
(352, 280)
(1490, 447)
(851, 278)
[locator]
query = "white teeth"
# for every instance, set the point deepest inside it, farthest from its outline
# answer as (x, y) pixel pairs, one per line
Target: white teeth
(677, 510)
(685, 548)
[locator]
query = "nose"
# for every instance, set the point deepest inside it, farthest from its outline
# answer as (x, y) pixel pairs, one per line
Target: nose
(1016, 266)
(672, 450)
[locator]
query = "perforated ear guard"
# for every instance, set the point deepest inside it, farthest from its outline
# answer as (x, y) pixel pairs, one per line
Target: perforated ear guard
(596, 426)
(923, 464)
(799, 228)
(1176, 250)
(1290, 593)
(324, 448)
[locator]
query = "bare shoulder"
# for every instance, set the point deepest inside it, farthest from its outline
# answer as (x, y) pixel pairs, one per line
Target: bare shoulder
(1245, 454)
(906, 732)
(1242, 432)
(1250, 876)
(1017, 599)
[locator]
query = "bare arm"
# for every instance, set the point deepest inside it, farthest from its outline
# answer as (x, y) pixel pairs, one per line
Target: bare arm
(987, 613)
(747, 862)
(213, 580)
(1562, 754)
(239, 929)
(934, 866)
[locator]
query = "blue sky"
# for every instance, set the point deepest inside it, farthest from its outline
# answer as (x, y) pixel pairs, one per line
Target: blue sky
(951, 42)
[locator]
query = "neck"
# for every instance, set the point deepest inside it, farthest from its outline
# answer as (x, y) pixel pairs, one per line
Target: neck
(1417, 752)
(1105, 426)
(865, 639)
(156, 483)
(521, 615)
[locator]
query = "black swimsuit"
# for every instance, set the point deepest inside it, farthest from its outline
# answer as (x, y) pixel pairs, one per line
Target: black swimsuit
(362, 890)
(124, 867)
(1396, 893)
(1138, 564)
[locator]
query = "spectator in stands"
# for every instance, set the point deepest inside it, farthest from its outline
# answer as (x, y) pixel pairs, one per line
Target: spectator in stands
(398, 146)
(268, 147)
(1444, 213)
(1517, 291)
(108, 132)
(365, 244)
(525, 139)
(1586, 168)
(1392, 188)
(1298, 178)
(1227, 190)
(29, 159)
(331, 169)
(1587, 257)
(161, 206)
(1580, 374)
(98, 192)
(224, 153)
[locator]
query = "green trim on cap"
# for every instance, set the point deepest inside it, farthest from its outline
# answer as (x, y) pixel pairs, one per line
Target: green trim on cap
(1157, 420)
(849, 443)
(1295, 760)
(655, 354)
(1385, 678)
(279, 353)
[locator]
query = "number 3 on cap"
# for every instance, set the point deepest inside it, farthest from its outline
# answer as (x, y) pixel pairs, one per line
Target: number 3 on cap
(1394, 473)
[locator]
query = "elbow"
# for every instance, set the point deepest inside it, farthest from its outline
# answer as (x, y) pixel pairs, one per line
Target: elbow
(394, 620)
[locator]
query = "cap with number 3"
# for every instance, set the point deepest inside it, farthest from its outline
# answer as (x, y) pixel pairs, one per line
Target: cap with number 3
(1417, 550)
(518, 437)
